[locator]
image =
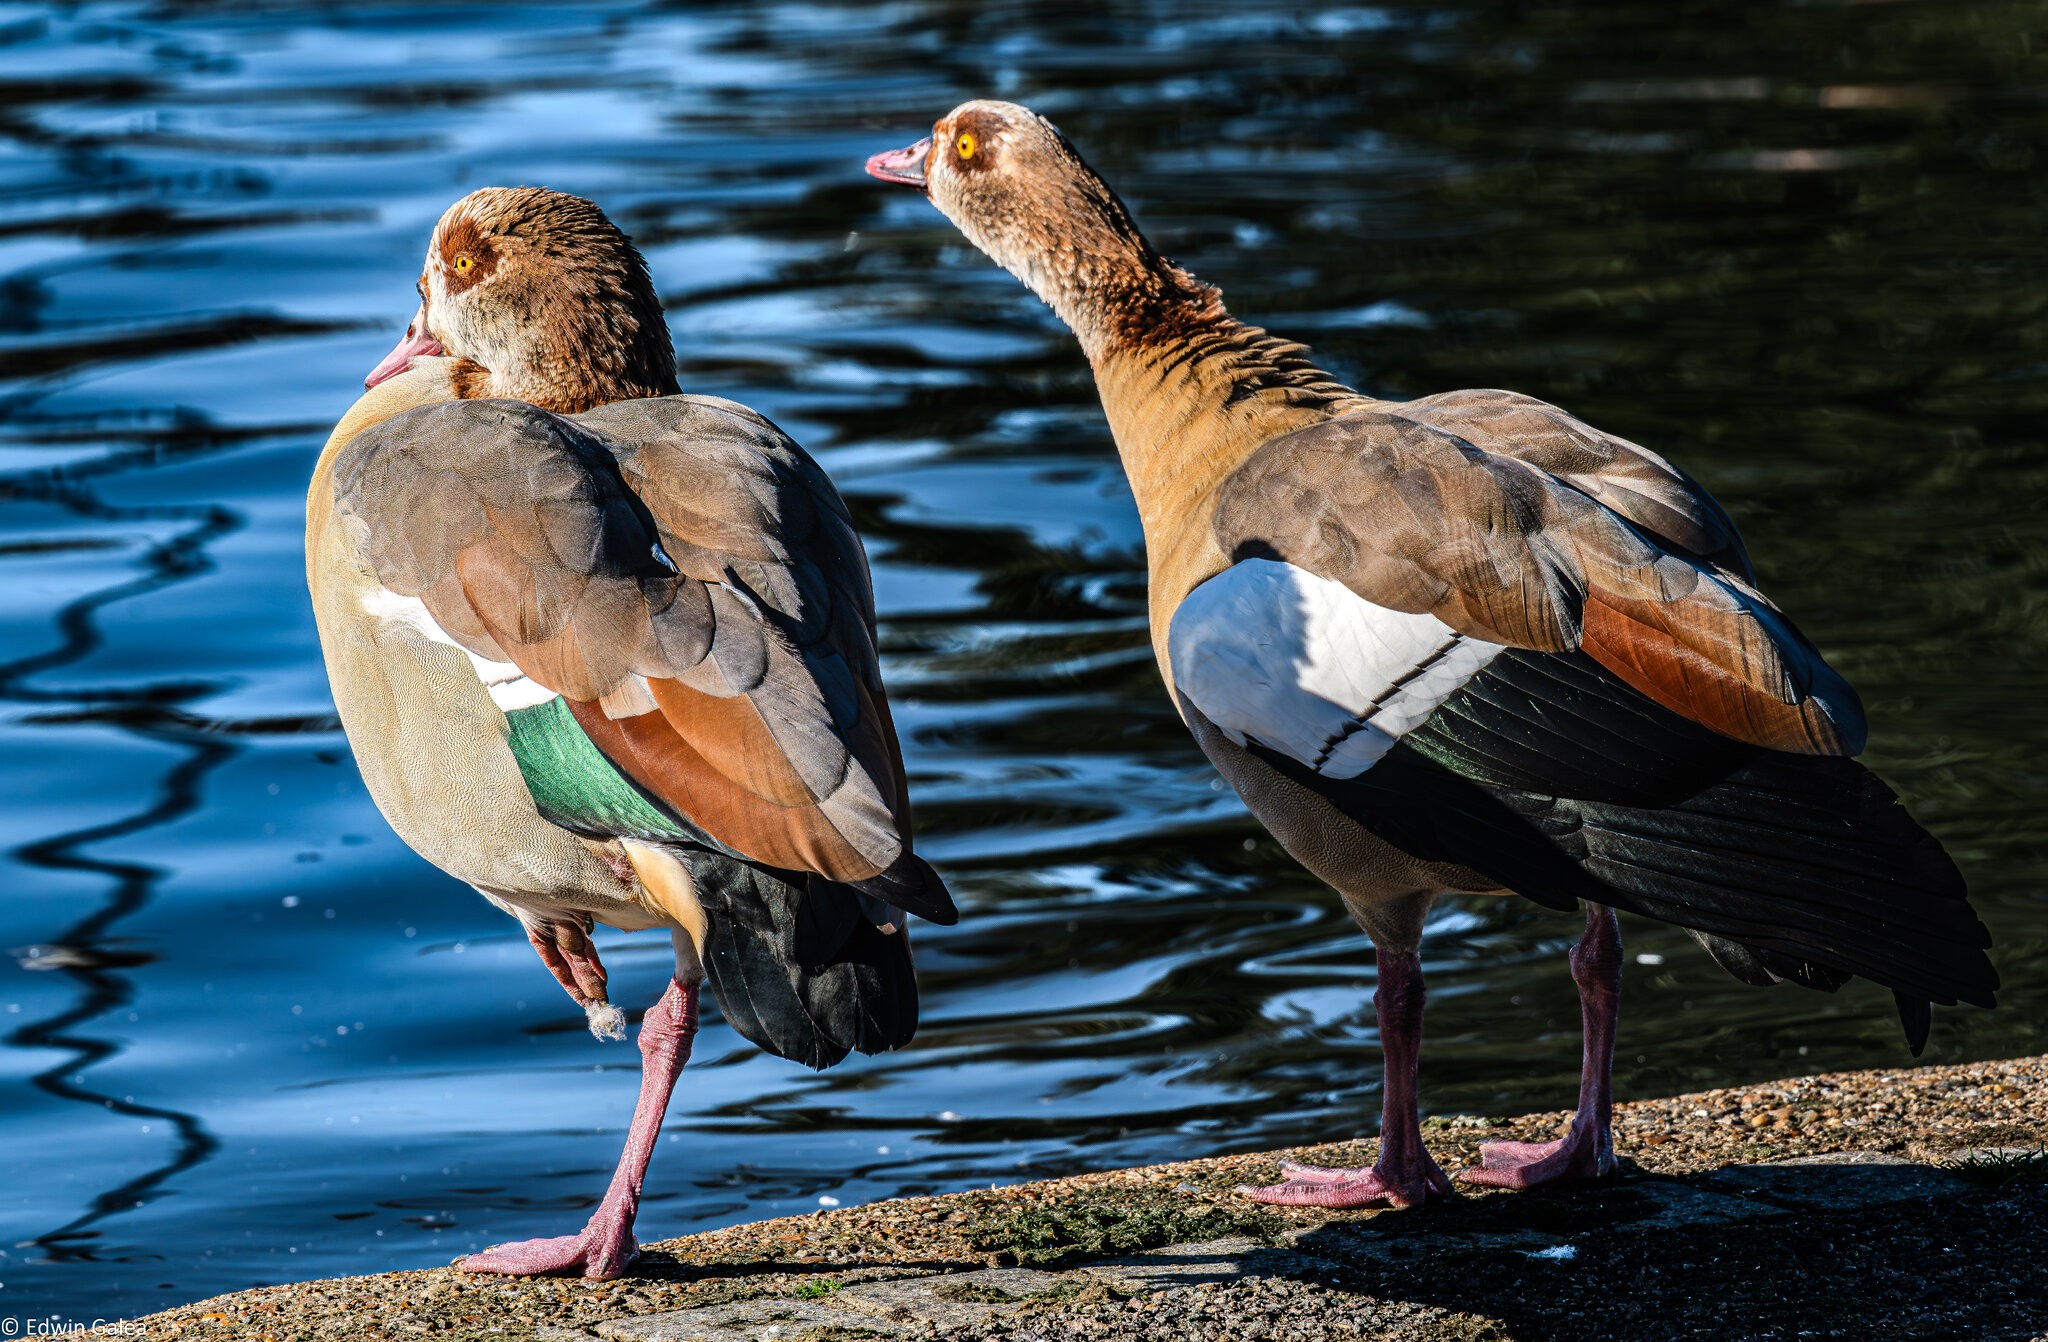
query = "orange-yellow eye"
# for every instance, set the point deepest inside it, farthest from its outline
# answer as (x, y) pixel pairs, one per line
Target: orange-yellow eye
(965, 144)
(463, 263)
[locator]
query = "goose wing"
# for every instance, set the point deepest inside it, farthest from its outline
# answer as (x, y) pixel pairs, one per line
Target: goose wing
(688, 582)
(1630, 480)
(1382, 561)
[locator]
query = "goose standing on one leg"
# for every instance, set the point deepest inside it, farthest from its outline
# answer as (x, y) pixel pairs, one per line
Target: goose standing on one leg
(1470, 644)
(612, 660)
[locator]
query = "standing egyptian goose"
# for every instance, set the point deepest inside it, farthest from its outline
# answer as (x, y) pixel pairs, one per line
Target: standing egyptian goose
(612, 660)
(1466, 643)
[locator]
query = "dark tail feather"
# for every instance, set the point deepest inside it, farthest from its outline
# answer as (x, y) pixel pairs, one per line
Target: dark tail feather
(1760, 969)
(800, 971)
(1797, 868)
(1812, 865)
(911, 884)
(1917, 1015)
(1790, 867)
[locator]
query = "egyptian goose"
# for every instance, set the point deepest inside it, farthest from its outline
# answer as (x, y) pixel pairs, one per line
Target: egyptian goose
(1466, 643)
(612, 660)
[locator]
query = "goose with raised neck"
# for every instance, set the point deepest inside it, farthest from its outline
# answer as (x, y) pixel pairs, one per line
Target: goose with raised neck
(1465, 645)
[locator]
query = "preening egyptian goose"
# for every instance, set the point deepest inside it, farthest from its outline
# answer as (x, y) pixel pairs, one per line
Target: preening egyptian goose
(1466, 643)
(612, 660)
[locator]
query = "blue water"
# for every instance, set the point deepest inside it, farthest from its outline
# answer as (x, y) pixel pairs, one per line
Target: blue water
(247, 1037)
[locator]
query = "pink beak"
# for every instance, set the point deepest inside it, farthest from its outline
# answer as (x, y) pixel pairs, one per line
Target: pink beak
(412, 345)
(902, 166)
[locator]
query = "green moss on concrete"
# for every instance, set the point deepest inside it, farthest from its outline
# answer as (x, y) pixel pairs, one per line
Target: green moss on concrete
(816, 1290)
(1044, 1234)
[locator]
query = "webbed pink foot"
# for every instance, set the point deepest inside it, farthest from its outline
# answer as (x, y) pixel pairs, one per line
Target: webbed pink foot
(1568, 1160)
(596, 1253)
(1404, 1175)
(606, 1247)
(1380, 1186)
(1587, 1151)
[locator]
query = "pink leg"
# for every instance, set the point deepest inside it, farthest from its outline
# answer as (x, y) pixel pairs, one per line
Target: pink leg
(1587, 1150)
(606, 1247)
(1404, 1175)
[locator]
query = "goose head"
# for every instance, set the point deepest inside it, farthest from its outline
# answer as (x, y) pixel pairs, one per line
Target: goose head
(539, 298)
(1020, 192)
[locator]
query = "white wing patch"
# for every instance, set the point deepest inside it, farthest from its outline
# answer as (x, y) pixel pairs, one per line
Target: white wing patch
(1305, 666)
(510, 687)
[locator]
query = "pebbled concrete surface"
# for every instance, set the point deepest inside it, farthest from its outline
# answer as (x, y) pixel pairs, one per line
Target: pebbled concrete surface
(1890, 1204)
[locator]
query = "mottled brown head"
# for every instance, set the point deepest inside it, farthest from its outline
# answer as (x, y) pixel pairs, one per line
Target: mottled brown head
(545, 298)
(1018, 190)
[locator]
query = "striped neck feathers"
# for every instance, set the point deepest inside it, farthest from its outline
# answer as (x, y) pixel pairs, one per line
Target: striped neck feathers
(1189, 390)
(542, 299)
(1190, 396)
(1181, 380)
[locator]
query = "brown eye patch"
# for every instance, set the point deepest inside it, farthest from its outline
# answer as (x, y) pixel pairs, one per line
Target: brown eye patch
(972, 143)
(466, 255)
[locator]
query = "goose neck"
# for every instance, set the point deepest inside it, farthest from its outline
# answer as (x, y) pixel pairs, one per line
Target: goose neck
(1189, 405)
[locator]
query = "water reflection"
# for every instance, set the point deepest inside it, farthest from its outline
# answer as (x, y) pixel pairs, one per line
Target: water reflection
(85, 955)
(90, 952)
(1794, 246)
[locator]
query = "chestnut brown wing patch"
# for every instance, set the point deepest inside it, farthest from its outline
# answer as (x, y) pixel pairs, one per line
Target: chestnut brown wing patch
(1415, 518)
(685, 577)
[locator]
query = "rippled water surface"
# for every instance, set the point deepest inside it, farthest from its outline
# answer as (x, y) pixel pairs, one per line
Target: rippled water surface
(248, 1037)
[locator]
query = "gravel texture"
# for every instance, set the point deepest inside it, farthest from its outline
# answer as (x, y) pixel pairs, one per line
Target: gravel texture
(1894, 1204)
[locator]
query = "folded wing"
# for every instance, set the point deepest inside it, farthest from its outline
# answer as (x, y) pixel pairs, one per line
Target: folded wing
(1413, 522)
(1632, 481)
(689, 582)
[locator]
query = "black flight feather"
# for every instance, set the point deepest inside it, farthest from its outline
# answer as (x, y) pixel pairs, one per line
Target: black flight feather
(910, 883)
(1551, 776)
(796, 966)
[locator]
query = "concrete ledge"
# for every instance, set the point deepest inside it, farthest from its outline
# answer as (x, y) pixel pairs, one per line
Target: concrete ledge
(1895, 1204)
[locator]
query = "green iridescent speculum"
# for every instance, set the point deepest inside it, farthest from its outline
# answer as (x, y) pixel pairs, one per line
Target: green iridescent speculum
(574, 785)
